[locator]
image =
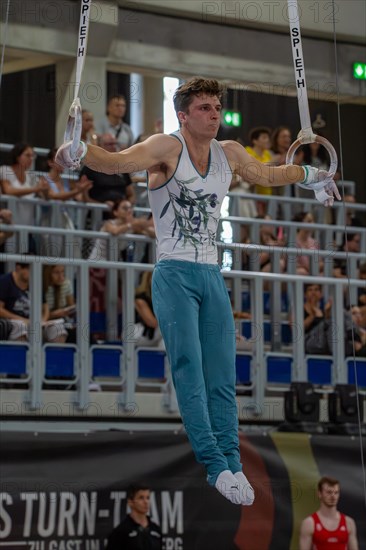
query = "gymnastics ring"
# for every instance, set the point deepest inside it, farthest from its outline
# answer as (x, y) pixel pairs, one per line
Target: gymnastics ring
(318, 139)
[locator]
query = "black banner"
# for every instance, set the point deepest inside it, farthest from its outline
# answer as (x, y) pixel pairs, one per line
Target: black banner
(68, 491)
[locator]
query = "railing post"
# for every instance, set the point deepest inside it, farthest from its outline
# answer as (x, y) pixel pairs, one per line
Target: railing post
(112, 290)
(299, 373)
(83, 334)
(258, 374)
(35, 335)
(127, 398)
(337, 336)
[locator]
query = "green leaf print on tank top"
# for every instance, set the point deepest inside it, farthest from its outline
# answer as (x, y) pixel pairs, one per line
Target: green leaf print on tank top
(191, 215)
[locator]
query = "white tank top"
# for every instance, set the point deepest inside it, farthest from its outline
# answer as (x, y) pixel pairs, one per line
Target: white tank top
(186, 208)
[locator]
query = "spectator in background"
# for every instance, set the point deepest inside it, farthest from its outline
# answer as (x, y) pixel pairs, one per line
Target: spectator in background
(268, 237)
(58, 294)
(15, 304)
(305, 240)
(316, 155)
(113, 122)
(5, 218)
(147, 332)
(351, 244)
(355, 333)
(123, 221)
(242, 343)
(281, 141)
(316, 321)
(108, 188)
(88, 133)
(16, 180)
(361, 298)
(259, 139)
(62, 189)
(352, 219)
(136, 531)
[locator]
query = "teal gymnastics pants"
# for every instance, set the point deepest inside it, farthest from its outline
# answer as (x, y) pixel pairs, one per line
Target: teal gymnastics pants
(192, 306)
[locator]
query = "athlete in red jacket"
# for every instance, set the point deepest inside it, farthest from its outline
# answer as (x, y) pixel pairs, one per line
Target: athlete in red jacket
(328, 529)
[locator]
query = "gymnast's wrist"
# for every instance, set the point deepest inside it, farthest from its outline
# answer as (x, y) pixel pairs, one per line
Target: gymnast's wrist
(306, 174)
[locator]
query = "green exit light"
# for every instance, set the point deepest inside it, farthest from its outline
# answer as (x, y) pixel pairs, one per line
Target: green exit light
(359, 71)
(231, 118)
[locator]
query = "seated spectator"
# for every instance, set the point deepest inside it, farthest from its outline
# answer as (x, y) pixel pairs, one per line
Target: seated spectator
(147, 332)
(260, 143)
(62, 189)
(355, 335)
(123, 221)
(88, 133)
(281, 141)
(16, 180)
(5, 329)
(5, 218)
(114, 124)
(316, 155)
(268, 237)
(317, 333)
(353, 218)
(242, 207)
(242, 343)
(108, 188)
(305, 240)
(15, 304)
(59, 296)
(361, 299)
(351, 244)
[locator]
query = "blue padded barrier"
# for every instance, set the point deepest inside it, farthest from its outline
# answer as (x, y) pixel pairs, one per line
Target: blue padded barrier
(243, 361)
(13, 358)
(279, 368)
(360, 364)
(97, 321)
(319, 369)
(59, 361)
(106, 361)
(151, 363)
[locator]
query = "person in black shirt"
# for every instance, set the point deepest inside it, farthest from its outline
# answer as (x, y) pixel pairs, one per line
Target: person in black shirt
(316, 321)
(137, 531)
(108, 187)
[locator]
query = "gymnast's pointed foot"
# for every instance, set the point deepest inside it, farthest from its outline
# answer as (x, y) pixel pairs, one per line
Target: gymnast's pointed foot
(229, 487)
(246, 490)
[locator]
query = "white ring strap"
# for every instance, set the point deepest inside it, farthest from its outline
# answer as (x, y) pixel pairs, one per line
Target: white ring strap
(74, 123)
(306, 134)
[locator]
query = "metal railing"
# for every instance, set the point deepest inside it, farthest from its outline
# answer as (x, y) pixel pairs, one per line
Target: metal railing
(35, 396)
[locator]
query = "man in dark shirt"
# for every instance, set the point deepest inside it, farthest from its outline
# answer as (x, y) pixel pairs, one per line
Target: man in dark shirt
(109, 187)
(15, 305)
(137, 531)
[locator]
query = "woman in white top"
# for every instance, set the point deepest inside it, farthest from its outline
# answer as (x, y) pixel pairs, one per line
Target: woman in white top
(16, 180)
(62, 189)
